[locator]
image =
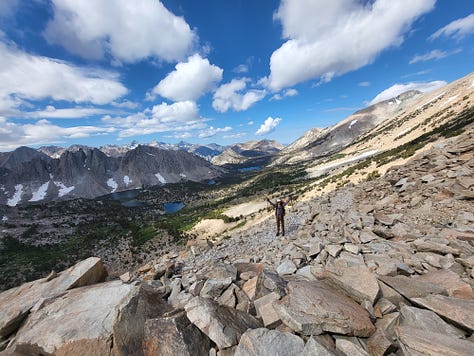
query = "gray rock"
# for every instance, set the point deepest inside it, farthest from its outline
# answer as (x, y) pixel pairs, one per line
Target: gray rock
(213, 288)
(221, 324)
(142, 304)
(424, 319)
(413, 341)
(312, 307)
(265, 310)
(429, 246)
(173, 335)
(220, 271)
(60, 327)
(15, 303)
(333, 250)
(387, 220)
(450, 281)
(306, 272)
(286, 267)
(264, 342)
(412, 288)
(459, 311)
(350, 348)
(358, 282)
(315, 348)
(404, 269)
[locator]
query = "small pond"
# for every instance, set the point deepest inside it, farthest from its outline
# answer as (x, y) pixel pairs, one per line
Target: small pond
(248, 169)
(173, 207)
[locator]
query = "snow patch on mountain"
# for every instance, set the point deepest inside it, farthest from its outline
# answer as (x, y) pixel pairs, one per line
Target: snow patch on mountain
(15, 199)
(127, 180)
(112, 184)
(40, 194)
(160, 178)
(63, 190)
(448, 101)
(353, 122)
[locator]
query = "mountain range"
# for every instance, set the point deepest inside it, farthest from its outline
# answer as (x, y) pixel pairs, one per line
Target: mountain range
(28, 175)
(52, 172)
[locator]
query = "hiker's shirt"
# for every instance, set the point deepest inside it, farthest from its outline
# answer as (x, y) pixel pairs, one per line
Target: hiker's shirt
(280, 211)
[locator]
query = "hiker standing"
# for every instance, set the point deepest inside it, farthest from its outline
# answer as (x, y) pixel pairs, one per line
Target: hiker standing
(279, 207)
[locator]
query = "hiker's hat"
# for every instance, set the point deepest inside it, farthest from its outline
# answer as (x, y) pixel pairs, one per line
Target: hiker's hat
(278, 200)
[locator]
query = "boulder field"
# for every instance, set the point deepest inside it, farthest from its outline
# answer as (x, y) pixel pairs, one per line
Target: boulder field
(383, 267)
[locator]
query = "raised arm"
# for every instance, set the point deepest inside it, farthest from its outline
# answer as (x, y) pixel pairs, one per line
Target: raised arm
(272, 204)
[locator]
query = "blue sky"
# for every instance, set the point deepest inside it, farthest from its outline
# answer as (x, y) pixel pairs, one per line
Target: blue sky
(99, 72)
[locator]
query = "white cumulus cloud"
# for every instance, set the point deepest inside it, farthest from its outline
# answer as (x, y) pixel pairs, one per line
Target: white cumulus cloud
(397, 89)
(234, 95)
(180, 116)
(28, 77)
(189, 80)
(327, 39)
(212, 131)
(126, 30)
(456, 29)
(13, 134)
(268, 126)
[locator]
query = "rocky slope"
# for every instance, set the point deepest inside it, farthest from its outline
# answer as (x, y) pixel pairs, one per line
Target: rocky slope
(383, 126)
(378, 268)
(29, 176)
(246, 152)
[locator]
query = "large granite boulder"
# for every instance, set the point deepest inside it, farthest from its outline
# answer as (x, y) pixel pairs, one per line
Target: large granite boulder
(414, 341)
(264, 342)
(174, 335)
(313, 307)
(16, 303)
(459, 311)
(424, 319)
(358, 282)
(80, 322)
(141, 304)
(221, 324)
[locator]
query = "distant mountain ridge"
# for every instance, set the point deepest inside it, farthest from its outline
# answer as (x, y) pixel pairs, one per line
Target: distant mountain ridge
(205, 151)
(322, 142)
(243, 152)
(28, 175)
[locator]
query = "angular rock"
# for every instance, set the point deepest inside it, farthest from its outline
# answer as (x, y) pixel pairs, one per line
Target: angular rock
(306, 272)
(250, 287)
(424, 319)
(379, 344)
(450, 281)
(228, 298)
(420, 342)
(15, 303)
(315, 348)
(141, 304)
(220, 271)
(213, 288)
(387, 220)
(78, 323)
(358, 282)
(459, 311)
(367, 236)
(350, 348)
(265, 310)
(221, 324)
(312, 307)
(264, 342)
(174, 335)
(286, 267)
(429, 246)
(333, 250)
(411, 287)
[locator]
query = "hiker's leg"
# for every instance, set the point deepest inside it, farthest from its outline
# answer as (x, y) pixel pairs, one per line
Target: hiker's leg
(278, 225)
(282, 225)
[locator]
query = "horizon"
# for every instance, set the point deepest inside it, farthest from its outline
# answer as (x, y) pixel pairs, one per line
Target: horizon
(215, 72)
